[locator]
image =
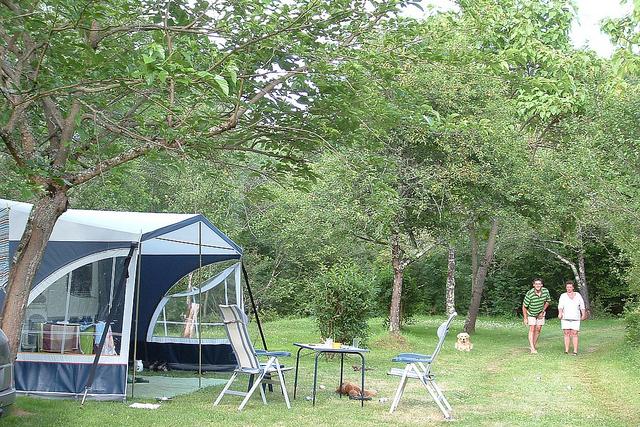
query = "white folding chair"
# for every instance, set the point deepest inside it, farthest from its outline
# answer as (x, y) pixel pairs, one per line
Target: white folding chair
(418, 366)
(247, 358)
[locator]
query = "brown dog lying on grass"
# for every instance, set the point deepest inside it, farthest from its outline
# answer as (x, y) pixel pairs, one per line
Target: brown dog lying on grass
(354, 391)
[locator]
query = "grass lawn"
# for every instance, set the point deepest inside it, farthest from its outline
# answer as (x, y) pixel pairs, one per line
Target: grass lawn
(497, 384)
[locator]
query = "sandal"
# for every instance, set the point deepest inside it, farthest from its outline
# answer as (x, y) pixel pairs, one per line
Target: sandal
(574, 354)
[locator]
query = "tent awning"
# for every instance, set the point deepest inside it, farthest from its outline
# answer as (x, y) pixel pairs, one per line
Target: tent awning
(162, 233)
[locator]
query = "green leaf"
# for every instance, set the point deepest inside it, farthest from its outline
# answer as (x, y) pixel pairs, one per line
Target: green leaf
(162, 75)
(203, 74)
(233, 73)
(222, 84)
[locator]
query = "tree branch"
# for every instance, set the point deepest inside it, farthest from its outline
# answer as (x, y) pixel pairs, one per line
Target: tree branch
(68, 128)
(125, 157)
(370, 240)
(259, 39)
(11, 147)
(235, 117)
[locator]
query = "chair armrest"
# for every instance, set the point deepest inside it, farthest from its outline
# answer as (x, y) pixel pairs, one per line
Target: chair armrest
(273, 353)
(412, 358)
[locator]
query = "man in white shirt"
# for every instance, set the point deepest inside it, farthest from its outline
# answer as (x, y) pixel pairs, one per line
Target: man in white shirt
(570, 312)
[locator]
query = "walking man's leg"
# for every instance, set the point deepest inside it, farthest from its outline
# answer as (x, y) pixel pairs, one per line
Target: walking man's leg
(532, 338)
(537, 335)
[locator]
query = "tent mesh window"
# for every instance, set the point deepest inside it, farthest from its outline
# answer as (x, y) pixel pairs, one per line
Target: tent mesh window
(189, 311)
(69, 314)
(81, 282)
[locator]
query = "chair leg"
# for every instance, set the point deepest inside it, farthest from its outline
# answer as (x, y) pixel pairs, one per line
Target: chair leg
(434, 395)
(400, 390)
(262, 394)
(226, 387)
(282, 385)
(257, 384)
(441, 394)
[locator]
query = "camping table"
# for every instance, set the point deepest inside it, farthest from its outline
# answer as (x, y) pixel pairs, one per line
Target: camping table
(319, 349)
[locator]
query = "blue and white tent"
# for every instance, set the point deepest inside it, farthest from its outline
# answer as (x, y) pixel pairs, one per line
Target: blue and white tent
(157, 310)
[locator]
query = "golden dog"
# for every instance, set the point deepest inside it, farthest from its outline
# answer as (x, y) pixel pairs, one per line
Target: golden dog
(464, 342)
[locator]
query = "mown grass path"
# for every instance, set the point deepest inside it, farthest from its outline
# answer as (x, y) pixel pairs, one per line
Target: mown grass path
(497, 384)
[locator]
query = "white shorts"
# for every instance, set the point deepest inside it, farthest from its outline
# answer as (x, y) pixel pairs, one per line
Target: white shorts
(570, 324)
(534, 321)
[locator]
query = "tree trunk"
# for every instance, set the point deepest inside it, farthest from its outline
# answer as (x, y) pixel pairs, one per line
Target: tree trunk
(478, 288)
(473, 239)
(42, 219)
(396, 295)
(582, 284)
(451, 281)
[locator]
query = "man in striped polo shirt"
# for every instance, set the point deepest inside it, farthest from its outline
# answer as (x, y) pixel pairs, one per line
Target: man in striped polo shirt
(534, 308)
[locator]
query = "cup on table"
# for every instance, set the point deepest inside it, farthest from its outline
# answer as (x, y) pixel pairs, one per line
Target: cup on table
(337, 345)
(356, 342)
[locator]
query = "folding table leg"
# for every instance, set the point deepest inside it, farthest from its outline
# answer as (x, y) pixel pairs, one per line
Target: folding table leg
(362, 371)
(295, 378)
(341, 372)
(315, 377)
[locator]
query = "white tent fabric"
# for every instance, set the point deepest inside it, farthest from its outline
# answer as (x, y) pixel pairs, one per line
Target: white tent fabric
(163, 233)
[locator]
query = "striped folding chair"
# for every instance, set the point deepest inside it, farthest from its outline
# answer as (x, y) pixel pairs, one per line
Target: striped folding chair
(247, 358)
(418, 366)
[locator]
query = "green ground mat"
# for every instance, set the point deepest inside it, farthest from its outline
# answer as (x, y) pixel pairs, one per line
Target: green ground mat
(159, 386)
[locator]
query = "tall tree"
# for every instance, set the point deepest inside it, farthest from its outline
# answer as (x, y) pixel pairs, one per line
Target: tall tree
(88, 86)
(528, 44)
(479, 272)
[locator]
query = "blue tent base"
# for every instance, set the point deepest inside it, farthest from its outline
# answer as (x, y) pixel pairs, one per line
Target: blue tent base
(69, 379)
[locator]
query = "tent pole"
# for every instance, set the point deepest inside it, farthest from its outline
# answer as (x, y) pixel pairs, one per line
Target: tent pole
(200, 304)
(253, 305)
(119, 296)
(137, 296)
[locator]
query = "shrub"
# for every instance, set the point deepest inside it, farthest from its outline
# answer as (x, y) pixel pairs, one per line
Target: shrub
(632, 318)
(342, 303)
